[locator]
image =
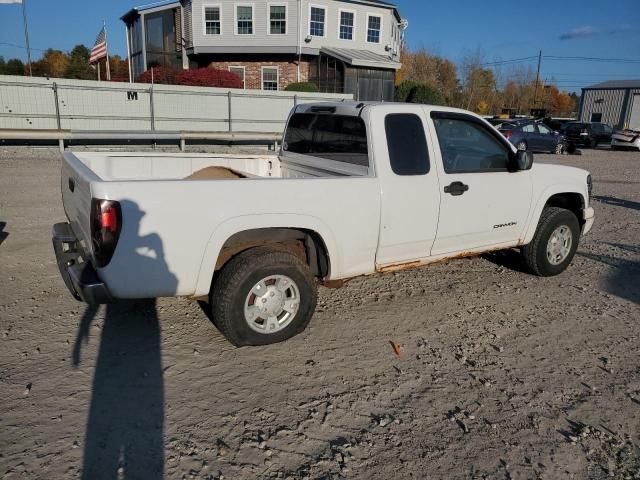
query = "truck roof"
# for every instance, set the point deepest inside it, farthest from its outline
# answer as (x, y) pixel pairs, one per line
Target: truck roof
(354, 108)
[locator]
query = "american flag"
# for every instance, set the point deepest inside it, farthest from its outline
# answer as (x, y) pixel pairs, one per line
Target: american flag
(99, 50)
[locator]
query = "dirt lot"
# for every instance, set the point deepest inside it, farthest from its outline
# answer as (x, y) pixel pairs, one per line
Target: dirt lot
(501, 375)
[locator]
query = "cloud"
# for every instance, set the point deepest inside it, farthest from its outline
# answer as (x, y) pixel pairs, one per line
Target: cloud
(580, 32)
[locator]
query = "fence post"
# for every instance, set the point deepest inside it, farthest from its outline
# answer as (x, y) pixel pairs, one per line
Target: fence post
(230, 116)
(151, 109)
(55, 99)
(58, 121)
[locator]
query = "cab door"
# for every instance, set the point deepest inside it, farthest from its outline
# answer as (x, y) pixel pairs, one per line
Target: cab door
(409, 184)
(484, 203)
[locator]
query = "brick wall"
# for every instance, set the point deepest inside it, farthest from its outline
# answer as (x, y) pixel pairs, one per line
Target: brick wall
(287, 70)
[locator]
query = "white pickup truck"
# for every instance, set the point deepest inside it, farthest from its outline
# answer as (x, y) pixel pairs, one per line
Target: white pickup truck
(357, 189)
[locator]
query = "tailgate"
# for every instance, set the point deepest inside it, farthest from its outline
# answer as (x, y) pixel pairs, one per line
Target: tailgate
(75, 184)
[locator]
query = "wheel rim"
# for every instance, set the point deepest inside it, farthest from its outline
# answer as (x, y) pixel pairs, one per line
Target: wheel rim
(559, 245)
(521, 146)
(272, 304)
(559, 148)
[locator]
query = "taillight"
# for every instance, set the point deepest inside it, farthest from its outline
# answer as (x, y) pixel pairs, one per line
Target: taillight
(106, 223)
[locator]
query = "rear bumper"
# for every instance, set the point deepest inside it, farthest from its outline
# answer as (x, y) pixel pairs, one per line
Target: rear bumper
(77, 272)
(589, 216)
(625, 142)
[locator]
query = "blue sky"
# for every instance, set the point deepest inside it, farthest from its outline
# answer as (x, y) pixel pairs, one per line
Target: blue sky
(497, 29)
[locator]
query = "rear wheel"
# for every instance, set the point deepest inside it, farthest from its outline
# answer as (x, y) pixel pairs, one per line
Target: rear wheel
(521, 145)
(593, 143)
(263, 296)
(554, 244)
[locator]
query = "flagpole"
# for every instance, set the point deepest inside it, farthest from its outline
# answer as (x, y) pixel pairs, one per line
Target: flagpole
(98, 70)
(26, 34)
(126, 28)
(106, 46)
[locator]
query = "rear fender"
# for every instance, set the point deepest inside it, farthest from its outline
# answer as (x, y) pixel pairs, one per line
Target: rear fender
(244, 223)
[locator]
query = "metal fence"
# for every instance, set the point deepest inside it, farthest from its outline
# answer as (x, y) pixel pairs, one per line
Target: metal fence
(34, 104)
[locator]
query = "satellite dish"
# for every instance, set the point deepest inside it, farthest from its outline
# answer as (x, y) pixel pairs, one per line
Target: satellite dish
(404, 24)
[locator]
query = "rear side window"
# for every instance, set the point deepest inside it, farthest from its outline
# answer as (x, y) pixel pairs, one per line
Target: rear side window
(340, 138)
(407, 144)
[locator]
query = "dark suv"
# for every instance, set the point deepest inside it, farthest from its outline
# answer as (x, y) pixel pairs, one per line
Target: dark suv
(588, 134)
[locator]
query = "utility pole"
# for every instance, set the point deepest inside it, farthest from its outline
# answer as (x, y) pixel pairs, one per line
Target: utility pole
(535, 92)
(26, 35)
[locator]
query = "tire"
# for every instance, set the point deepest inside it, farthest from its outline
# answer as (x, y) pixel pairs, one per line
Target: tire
(559, 150)
(281, 275)
(593, 143)
(521, 145)
(537, 254)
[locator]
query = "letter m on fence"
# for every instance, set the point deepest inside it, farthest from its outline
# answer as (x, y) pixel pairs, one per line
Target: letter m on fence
(132, 95)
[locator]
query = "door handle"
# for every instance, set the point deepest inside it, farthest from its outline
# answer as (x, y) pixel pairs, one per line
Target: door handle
(456, 188)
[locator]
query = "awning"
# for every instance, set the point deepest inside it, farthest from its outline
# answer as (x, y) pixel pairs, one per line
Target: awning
(361, 58)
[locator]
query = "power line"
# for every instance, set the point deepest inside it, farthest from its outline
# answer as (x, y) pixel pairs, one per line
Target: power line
(593, 59)
(21, 46)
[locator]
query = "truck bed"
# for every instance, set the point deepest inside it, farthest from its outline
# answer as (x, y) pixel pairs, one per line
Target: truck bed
(125, 166)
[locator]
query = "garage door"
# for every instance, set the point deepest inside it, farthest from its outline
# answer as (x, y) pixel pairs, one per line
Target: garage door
(634, 118)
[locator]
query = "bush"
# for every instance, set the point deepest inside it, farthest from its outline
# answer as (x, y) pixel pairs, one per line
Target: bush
(414, 92)
(302, 87)
(199, 77)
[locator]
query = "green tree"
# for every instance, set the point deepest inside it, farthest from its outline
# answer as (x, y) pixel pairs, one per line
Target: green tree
(14, 67)
(78, 64)
(3, 65)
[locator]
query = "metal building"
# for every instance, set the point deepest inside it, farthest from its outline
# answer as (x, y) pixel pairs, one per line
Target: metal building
(616, 102)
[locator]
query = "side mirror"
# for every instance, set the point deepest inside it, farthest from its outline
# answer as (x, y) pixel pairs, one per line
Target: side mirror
(524, 160)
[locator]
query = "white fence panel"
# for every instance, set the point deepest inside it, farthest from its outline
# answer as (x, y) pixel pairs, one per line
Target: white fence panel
(81, 105)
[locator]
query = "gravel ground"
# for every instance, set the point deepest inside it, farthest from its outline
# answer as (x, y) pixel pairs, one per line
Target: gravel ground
(500, 375)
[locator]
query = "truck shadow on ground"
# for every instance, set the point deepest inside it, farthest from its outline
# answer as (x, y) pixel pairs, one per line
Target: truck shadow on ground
(624, 278)
(124, 436)
(124, 433)
(510, 259)
(617, 202)
(3, 234)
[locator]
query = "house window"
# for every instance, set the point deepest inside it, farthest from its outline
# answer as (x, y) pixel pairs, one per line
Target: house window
(596, 117)
(277, 19)
(374, 25)
(346, 25)
(317, 20)
(270, 78)
(244, 19)
(212, 21)
(239, 71)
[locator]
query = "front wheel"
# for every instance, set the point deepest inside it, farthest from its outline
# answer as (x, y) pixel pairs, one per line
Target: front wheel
(559, 150)
(554, 244)
(521, 145)
(263, 296)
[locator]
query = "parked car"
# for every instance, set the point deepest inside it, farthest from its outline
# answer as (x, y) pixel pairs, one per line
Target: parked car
(588, 134)
(626, 140)
(533, 136)
(557, 124)
(357, 189)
